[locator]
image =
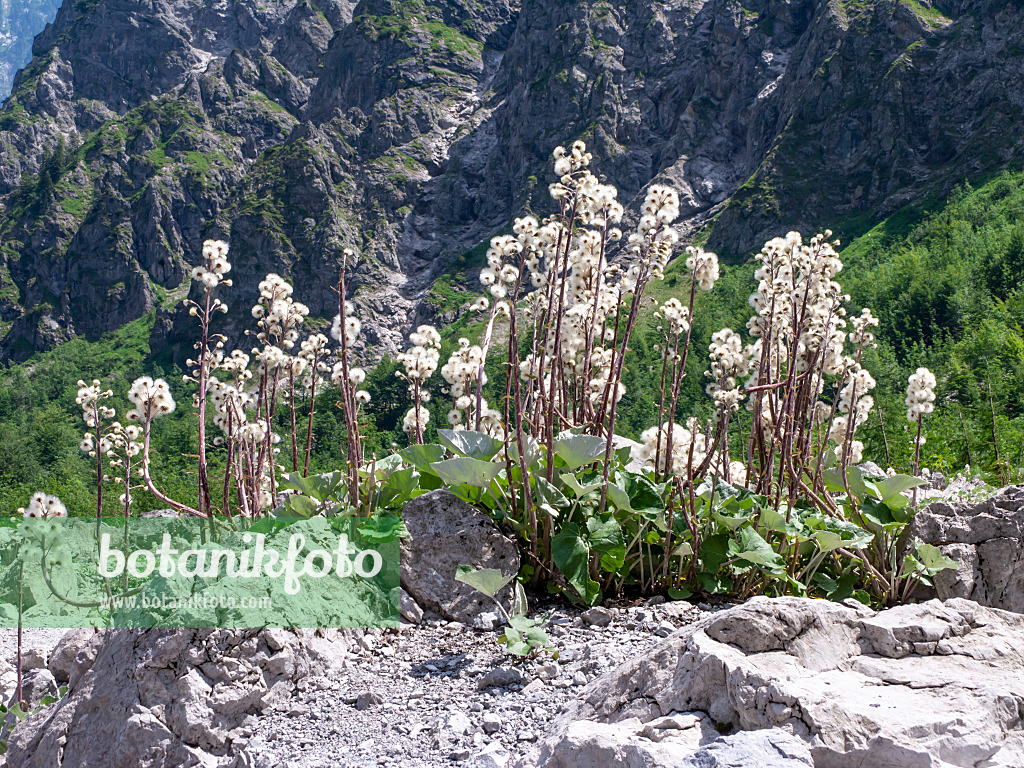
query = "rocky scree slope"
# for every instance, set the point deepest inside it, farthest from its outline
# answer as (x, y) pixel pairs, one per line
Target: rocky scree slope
(412, 130)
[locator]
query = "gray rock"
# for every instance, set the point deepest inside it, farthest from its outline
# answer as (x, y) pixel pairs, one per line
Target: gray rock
(986, 540)
(491, 723)
(19, 23)
(769, 748)
(916, 685)
(161, 513)
(664, 629)
(459, 724)
(598, 616)
(37, 685)
(938, 481)
(417, 170)
(179, 693)
(8, 680)
(499, 677)
(444, 533)
(687, 742)
(489, 620)
(33, 658)
(74, 653)
(588, 744)
(494, 755)
(410, 609)
(368, 700)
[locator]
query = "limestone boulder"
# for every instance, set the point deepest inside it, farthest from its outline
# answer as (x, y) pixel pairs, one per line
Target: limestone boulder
(444, 533)
(986, 540)
(931, 685)
(171, 698)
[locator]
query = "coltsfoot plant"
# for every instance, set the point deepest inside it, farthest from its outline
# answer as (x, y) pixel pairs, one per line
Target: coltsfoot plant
(765, 496)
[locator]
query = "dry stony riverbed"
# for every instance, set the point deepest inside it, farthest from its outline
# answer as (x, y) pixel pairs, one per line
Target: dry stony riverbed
(440, 694)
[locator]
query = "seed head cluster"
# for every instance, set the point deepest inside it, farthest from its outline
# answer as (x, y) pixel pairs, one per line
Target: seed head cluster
(151, 398)
(44, 505)
(215, 265)
(920, 394)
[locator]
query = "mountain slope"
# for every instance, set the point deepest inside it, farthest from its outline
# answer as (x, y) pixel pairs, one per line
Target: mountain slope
(20, 22)
(414, 130)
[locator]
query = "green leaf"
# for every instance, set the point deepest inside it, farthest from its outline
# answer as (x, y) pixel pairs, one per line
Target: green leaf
(537, 637)
(490, 581)
(679, 594)
(319, 487)
(714, 551)
(521, 623)
(605, 536)
(774, 520)
(643, 494)
(619, 498)
(577, 450)
(530, 447)
(300, 506)
(547, 494)
(466, 471)
(381, 528)
(840, 533)
(513, 641)
(714, 585)
(268, 525)
(573, 484)
(932, 559)
(879, 516)
(383, 467)
(911, 565)
(475, 445)
(896, 485)
(759, 552)
(858, 485)
(833, 480)
(729, 521)
(838, 589)
(399, 487)
(520, 604)
(682, 550)
(422, 456)
(429, 481)
(571, 555)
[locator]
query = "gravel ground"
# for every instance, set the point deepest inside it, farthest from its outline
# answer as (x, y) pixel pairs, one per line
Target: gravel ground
(30, 638)
(438, 694)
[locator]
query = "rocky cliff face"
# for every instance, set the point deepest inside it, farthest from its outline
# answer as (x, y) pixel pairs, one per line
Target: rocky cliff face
(412, 131)
(20, 21)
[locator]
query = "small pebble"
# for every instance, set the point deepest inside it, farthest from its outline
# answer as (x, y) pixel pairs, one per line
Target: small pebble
(492, 723)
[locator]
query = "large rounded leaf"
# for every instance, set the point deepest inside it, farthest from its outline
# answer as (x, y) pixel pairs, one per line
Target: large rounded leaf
(577, 450)
(475, 445)
(490, 581)
(572, 556)
(465, 471)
